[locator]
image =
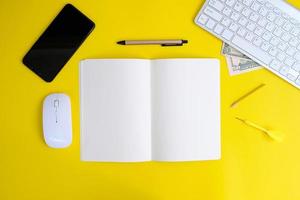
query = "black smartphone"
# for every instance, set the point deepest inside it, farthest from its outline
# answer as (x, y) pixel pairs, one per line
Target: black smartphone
(58, 43)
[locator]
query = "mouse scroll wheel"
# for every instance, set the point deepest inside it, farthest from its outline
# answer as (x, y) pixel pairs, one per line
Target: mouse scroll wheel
(56, 103)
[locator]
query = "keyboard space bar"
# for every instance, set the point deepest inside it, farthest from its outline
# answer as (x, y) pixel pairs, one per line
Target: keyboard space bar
(257, 53)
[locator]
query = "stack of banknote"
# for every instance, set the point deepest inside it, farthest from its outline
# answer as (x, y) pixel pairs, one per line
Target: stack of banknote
(237, 62)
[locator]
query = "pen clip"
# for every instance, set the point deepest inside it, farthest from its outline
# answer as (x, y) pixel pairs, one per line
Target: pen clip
(170, 45)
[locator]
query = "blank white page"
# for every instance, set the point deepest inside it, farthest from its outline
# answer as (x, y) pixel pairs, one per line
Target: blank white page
(115, 110)
(185, 109)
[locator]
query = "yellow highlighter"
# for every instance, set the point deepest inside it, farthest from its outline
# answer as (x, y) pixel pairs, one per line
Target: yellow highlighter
(275, 135)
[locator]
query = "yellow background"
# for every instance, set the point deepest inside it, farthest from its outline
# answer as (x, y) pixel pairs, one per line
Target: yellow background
(252, 166)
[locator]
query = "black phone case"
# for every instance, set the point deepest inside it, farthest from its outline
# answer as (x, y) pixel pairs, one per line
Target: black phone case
(58, 43)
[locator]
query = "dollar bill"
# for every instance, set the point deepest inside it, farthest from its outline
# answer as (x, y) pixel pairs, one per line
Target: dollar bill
(228, 50)
(238, 65)
(237, 62)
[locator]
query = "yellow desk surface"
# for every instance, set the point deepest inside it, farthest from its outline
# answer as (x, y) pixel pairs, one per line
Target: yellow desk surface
(252, 166)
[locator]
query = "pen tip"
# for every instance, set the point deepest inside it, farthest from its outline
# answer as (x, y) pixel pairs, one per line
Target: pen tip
(233, 105)
(121, 42)
(184, 41)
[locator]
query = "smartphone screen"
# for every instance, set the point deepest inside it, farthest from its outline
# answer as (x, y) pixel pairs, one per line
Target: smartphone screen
(58, 43)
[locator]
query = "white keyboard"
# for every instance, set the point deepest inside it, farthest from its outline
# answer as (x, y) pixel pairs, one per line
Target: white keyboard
(266, 31)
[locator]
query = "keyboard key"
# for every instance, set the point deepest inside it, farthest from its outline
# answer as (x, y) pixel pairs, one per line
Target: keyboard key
(285, 16)
(297, 56)
(291, 77)
(238, 7)
(292, 74)
(294, 21)
(235, 16)
(247, 2)
(289, 61)
(213, 14)
(278, 31)
(262, 22)
(276, 65)
(265, 46)
(287, 26)
(280, 21)
(275, 41)
(246, 12)
(251, 26)
(227, 11)
(263, 11)
(298, 81)
(252, 50)
(241, 32)
(281, 56)
(271, 16)
(284, 70)
(227, 35)
(273, 51)
(270, 27)
(249, 36)
(295, 31)
(210, 24)
(259, 31)
(216, 4)
(277, 11)
(269, 6)
(282, 46)
(294, 42)
(267, 36)
(234, 27)
(286, 37)
(291, 51)
(254, 17)
(219, 29)
(230, 2)
(257, 41)
(296, 66)
(226, 22)
(202, 19)
(243, 21)
(255, 6)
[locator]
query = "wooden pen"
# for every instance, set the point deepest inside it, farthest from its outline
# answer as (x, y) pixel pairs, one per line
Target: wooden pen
(153, 42)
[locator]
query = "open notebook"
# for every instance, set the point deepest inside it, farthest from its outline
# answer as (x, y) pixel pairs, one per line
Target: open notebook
(135, 110)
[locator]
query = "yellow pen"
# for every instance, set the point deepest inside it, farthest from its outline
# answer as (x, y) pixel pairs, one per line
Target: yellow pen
(234, 104)
(275, 135)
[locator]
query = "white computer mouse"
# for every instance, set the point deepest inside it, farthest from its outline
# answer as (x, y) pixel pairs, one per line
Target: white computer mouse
(57, 120)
